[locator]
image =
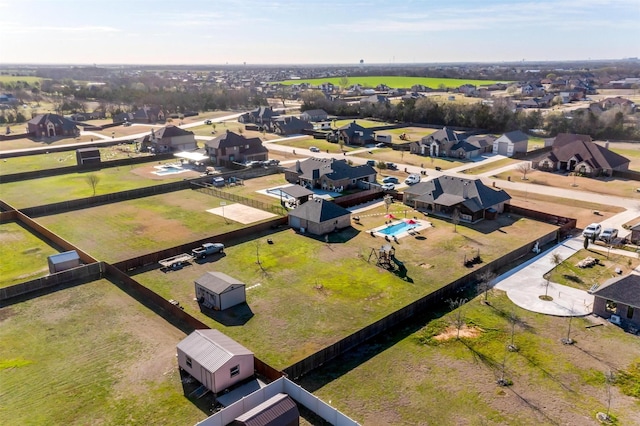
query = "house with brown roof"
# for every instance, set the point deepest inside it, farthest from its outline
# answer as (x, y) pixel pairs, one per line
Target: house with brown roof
(231, 147)
(445, 194)
(168, 139)
(260, 115)
(52, 125)
(577, 153)
(328, 173)
(619, 296)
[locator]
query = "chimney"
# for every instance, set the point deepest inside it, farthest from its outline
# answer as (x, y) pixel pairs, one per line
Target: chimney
(465, 190)
(298, 168)
(606, 145)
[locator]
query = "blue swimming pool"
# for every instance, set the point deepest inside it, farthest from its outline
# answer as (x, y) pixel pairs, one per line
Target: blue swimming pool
(397, 228)
(169, 170)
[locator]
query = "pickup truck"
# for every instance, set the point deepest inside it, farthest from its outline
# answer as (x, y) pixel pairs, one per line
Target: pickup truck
(206, 249)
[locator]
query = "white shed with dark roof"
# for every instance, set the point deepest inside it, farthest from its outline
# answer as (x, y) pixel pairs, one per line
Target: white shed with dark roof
(214, 359)
(219, 291)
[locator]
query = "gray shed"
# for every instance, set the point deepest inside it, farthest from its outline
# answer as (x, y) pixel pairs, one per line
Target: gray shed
(219, 291)
(279, 410)
(214, 359)
(63, 261)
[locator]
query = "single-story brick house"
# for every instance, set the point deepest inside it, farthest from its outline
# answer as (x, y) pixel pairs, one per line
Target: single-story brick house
(443, 195)
(577, 153)
(619, 296)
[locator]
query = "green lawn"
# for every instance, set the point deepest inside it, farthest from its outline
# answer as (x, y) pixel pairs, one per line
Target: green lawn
(131, 228)
(31, 80)
(90, 355)
(395, 81)
(309, 293)
(23, 254)
(569, 274)
(406, 377)
(36, 192)
(364, 123)
(489, 165)
(404, 157)
(323, 145)
(56, 160)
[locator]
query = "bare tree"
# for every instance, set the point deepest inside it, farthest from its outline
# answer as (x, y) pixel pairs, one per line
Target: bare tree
(458, 320)
(92, 180)
(513, 319)
(455, 218)
(556, 259)
(344, 83)
(524, 168)
(484, 283)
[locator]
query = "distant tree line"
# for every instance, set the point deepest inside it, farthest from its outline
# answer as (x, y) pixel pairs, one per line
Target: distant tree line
(499, 117)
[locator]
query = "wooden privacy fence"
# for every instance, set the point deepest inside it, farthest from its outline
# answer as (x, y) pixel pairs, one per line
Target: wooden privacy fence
(228, 238)
(84, 273)
(425, 304)
(171, 313)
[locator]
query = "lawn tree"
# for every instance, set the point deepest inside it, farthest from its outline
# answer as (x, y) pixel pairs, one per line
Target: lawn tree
(388, 199)
(484, 284)
(556, 259)
(458, 319)
(513, 319)
(610, 377)
(455, 219)
(524, 168)
(568, 340)
(92, 180)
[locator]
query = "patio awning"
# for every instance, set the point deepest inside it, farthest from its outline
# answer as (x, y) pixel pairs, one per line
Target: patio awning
(191, 156)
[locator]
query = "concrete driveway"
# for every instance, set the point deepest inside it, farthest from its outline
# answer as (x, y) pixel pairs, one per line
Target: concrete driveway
(525, 284)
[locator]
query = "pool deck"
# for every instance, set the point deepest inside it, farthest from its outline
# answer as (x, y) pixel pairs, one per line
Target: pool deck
(414, 229)
(318, 193)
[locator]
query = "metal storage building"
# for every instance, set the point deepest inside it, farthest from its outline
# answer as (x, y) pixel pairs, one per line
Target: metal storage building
(279, 410)
(63, 261)
(214, 359)
(219, 291)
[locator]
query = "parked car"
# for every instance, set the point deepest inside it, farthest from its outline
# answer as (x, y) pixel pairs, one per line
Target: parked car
(127, 124)
(592, 230)
(271, 162)
(413, 178)
(218, 181)
(314, 149)
(390, 179)
(391, 166)
(381, 145)
(253, 163)
(388, 186)
(608, 235)
(207, 122)
(371, 163)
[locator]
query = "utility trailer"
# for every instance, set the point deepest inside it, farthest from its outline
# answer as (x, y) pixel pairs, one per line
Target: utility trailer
(176, 262)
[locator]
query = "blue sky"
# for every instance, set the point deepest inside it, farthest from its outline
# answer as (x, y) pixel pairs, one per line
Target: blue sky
(315, 32)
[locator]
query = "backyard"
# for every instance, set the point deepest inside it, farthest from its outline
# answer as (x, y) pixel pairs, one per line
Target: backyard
(24, 255)
(302, 286)
(90, 355)
(53, 189)
(404, 157)
(422, 374)
(132, 228)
